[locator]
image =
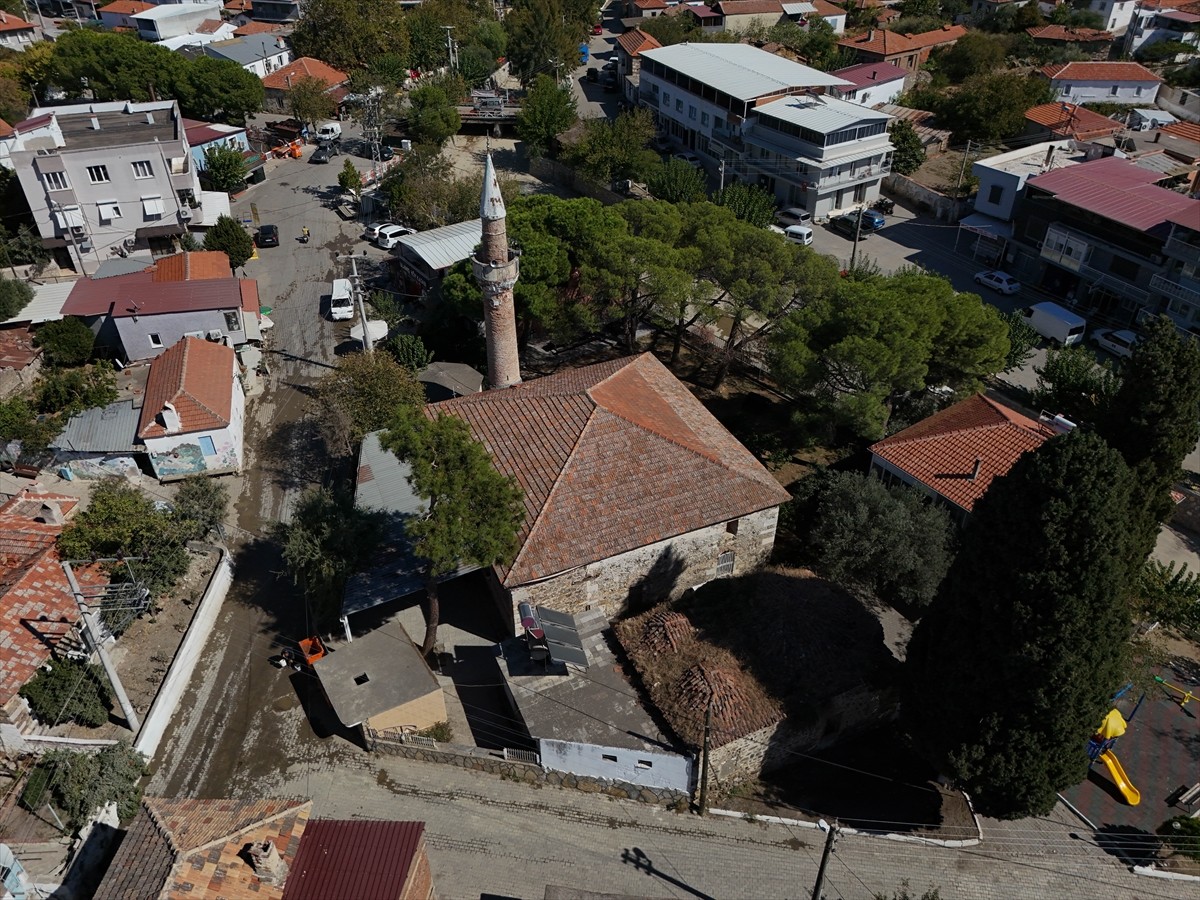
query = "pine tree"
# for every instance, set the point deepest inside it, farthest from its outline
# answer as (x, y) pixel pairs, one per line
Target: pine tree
(1010, 671)
(1154, 422)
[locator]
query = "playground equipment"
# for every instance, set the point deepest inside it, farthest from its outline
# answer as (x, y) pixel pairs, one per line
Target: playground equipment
(1100, 748)
(1184, 695)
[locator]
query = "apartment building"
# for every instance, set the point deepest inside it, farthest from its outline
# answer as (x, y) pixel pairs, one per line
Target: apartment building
(260, 54)
(105, 179)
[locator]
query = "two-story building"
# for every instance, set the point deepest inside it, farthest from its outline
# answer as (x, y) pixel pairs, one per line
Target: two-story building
(1158, 21)
(1115, 14)
(202, 136)
(870, 84)
(119, 14)
(16, 34)
(1102, 82)
(277, 84)
(629, 46)
(908, 51)
(1095, 234)
(105, 179)
(1178, 285)
(276, 10)
(261, 54)
(701, 94)
(170, 20)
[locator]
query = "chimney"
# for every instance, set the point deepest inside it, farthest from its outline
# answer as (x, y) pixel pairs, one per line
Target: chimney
(870, 35)
(281, 43)
(1157, 135)
(287, 80)
(975, 470)
(170, 418)
(268, 865)
(50, 513)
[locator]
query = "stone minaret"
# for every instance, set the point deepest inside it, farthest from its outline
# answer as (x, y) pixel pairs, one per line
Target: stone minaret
(496, 270)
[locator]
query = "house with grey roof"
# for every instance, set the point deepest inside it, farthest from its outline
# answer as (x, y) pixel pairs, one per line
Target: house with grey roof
(260, 54)
(422, 259)
(100, 442)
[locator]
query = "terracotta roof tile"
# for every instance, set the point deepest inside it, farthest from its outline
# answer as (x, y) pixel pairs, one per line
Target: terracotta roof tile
(126, 7)
(1098, 71)
(5, 129)
(650, 4)
(195, 265)
(879, 41)
(1072, 120)
(209, 26)
(254, 28)
(940, 452)
(1070, 35)
(304, 67)
(196, 377)
(611, 457)
(635, 41)
(947, 34)
(826, 9)
(9, 22)
(749, 7)
(1189, 131)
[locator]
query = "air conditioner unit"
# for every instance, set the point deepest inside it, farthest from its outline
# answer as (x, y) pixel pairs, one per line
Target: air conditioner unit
(78, 230)
(185, 214)
(216, 334)
(194, 334)
(85, 246)
(130, 242)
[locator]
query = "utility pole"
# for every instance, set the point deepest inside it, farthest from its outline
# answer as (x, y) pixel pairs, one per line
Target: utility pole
(704, 762)
(831, 835)
(451, 51)
(962, 170)
(857, 234)
(89, 628)
(356, 287)
(722, 172)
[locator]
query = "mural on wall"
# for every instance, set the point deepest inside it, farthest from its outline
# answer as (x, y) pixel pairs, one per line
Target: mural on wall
(188, 459)
(95, 467)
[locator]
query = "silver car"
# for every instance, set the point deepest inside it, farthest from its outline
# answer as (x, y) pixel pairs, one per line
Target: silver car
(1118, 343)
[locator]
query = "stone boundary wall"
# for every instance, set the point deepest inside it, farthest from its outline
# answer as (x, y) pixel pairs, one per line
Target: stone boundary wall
(554, 172)
(945, 208)
(488, 761)
(1181, 102)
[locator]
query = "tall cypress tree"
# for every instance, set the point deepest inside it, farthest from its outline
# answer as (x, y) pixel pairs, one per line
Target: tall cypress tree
(1010, 671)
(1154, 422)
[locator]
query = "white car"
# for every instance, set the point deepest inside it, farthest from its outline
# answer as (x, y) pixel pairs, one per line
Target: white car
(1118, 343)
(793, 215)
(688, 157)
(371, 232)
(998, 281)
(389, 236)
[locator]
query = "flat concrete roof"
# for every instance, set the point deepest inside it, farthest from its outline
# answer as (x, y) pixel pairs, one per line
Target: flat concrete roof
(1030, 161)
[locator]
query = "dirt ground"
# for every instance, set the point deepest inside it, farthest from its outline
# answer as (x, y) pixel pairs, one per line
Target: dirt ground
(941, 172)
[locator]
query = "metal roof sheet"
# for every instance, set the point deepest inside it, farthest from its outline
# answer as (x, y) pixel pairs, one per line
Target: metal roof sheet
(440, 248)
(102, 429)
(739, 70)
(361, 859)
(46, 305)
(867, 74)
(822, 114)
(123, 265)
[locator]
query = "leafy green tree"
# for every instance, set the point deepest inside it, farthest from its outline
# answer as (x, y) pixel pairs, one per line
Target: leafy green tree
(975, 53)
(121, 520)
(609, 150)
(114, 66)
(889, 541)
(409, 350)
(1152, 421)
(1076, 16)
(1022, 339)
(920, 9)
(546, 112)
(69, 391)
(67, 342)
(1073, 384)
(79, 783)
(472, 511)
(14, 99)
(350, 179)
(540, 39)
(218, 90)
(909, 154)
(1168, 595)
(432, 118)
(308, 100)
(363, 394)
(426, 192)
(23, 248)
(748, 202)
(992, 107)
(19, 421)
(881, 339)
(228, 236)
(199, 506)
(327, 538)
(1028, 16)
(1011, 669)
(1183, 834)
(224, 168)
(14, 297)
(476, 64)
(351, 34)
(70, 692)
(668, 30)
(677, 182)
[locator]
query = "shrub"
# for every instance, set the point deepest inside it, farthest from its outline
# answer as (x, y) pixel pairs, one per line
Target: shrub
(440, 732)
(69, 692)
(14, 297)
(1182, 833)
(67, 342)
(80, 783)
(200, 506)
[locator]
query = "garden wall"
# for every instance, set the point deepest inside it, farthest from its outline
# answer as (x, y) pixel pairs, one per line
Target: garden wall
(944, 208)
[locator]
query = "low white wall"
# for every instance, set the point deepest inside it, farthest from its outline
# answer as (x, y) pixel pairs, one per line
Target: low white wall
(648, 768)
(180, 673)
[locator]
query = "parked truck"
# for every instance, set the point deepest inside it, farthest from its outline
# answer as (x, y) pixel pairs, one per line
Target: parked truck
(1056, 323)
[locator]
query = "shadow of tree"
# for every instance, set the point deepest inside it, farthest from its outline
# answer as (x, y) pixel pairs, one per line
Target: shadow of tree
(292, 452)
(657, 584)
(1133, 846)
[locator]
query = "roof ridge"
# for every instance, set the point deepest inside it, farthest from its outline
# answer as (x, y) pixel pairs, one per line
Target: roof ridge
(183, 391)
(528, 542)
(298, 803)
(161, 828)
(1004, 420)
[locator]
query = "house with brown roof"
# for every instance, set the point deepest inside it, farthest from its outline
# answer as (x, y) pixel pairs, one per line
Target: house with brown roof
(269, 849)
(954, 455)
(870, 84)
(193, 413)
(16, 34)
(629, 45)
(632, 488)
(1068, 120)
(119, 13)
(277, 84)
(738, 15)
(1102, 82)
(645, 9)
(908, 51)
(37, 608)
(1089, 41)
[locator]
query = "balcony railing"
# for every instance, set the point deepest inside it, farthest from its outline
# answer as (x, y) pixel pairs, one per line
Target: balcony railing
(853, 177)
(1112, 283)
(1177, 249)
(1174, 289)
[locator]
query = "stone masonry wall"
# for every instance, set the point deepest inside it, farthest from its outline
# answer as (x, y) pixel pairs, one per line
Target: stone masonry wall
(649, 574)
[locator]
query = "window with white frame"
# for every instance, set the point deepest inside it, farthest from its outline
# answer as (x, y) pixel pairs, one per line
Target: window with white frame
(725, 564)
(109, 210)
(155, 339)
(143, 169)
(56, 181)
(98, 174)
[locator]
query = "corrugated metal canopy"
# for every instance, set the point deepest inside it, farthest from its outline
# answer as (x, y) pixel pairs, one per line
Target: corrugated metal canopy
(107, 429)
(440, 248)
(739, 70)
(46, 305)
(825, 115)
(360, 859)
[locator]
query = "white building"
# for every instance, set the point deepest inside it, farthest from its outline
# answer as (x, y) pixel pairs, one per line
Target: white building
(1002, 177)
(16, 34)
(870, 84)
(1117, 14)
(173, 19)
(104, 179)
(1102, 82)
(260, 54)
(1163, 21)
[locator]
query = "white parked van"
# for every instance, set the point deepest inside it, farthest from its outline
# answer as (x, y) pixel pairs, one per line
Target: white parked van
(1056, 323)
(330, 131)
(798, 234)
(341, 301)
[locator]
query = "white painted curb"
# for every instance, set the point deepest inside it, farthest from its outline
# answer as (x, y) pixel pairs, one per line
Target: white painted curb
(179, 675)
(802, 823)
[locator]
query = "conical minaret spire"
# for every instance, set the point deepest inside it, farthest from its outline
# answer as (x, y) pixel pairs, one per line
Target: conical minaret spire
(496, 271)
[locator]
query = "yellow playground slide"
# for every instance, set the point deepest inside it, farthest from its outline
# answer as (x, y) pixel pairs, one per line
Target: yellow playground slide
(1132, 795)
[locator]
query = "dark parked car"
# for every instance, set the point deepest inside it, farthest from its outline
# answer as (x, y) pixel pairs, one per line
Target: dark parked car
(848, 225)
(325, 152)
(268, 236)
(593, 74)
(873, 219)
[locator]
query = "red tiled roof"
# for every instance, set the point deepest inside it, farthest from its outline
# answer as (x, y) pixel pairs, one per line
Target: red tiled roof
(193, 265)
(947, 34)
(9, 22)
(209, 26)
(36, 122)
(650, 4)
(236, 6)
(5, 129)
(1116, 189)
(175, 848)
(17, 349)
(748, 7)
(304, 67)
(1072, 35)
(30, 502)
(1072, 120)
(611, 457)
(250, 301)
(881, 41)
(126, 7)
(361, 859)
(867, 74)
(940, 452)
(254, 28)
(196, 377)
(826, 9)
(1189, 131)
(635, 41)
(1098, 71)
(139, 294)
